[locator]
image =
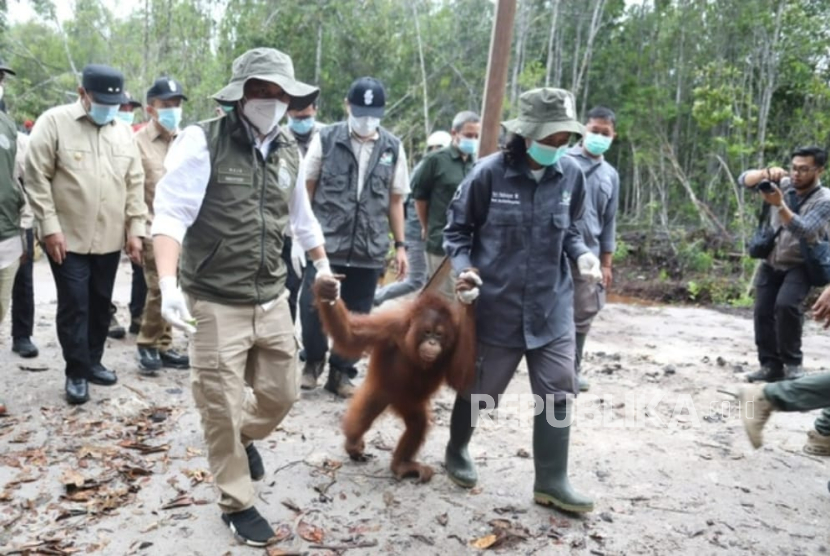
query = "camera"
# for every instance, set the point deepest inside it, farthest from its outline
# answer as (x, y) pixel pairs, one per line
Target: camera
(765, 186)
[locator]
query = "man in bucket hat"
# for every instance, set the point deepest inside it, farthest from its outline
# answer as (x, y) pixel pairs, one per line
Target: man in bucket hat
(511, 229)
(232, 186)
(86, 186)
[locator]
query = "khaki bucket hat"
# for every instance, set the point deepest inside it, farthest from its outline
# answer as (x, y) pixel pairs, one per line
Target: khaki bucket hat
(267, 64)
(543, 112)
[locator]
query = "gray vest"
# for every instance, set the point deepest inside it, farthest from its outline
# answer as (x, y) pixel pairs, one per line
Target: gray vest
(356, 231)
(11, 198)
(231, 253)
(787, 251)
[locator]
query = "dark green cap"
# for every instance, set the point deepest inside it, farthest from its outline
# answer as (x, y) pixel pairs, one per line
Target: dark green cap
(543, 112)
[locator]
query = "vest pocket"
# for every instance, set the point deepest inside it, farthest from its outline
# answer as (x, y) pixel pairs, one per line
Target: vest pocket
(561, 220)
(207, 260)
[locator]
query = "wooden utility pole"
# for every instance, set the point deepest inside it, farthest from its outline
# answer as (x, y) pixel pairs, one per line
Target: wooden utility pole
(500, 43)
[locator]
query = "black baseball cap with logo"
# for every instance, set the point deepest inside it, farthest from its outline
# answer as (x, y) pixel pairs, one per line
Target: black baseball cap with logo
(367, 98)
(128, 99)
(165, 88)
(104, 84)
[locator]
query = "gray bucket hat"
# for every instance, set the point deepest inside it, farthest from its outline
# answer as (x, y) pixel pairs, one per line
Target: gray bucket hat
(543, 112)
(267, 64)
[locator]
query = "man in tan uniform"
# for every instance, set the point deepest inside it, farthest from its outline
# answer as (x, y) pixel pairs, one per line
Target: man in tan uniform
(164, 108)
(85, 184)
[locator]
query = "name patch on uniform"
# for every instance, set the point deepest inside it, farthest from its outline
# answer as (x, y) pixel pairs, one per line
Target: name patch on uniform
(231, 175)
(283, 176)
(387, 158)
(566, 199)
(503, 198)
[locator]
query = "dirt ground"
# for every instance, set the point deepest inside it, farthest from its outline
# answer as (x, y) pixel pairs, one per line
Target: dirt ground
(656, 444)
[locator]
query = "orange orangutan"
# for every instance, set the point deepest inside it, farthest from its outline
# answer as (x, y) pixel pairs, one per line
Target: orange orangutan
(415, 347)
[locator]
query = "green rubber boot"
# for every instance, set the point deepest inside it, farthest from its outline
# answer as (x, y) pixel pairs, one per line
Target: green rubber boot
(550, 457)
(581, 381)
(457, 460)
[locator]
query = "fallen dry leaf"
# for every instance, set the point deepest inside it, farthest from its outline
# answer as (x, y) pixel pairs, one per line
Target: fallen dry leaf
(310, 533)
(274, 551)
(183, 501)
(72, 478)
(197, 476)
(282, 532)
(484, 542)
(142, 447)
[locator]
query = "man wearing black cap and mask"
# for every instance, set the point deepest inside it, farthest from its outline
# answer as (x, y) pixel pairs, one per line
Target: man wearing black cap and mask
(232, 186)
(85, 183)
(164, 107)
(357, 180)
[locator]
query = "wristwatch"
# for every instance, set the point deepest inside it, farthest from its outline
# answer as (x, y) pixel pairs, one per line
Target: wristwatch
(399, 244)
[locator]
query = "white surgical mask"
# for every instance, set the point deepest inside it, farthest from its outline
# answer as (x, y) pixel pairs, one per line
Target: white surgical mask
(264, 113)
(365, 126)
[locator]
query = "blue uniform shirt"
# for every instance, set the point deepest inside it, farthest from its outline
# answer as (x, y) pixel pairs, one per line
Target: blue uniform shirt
(518, 233)
(602, 192)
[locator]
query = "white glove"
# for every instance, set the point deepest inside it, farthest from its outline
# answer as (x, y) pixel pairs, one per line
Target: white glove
(589, 267)
(468, 296)
(173, 307)
(297, 258)
(323, 269)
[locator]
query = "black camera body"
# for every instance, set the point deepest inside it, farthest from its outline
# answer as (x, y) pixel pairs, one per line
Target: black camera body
(765, 186)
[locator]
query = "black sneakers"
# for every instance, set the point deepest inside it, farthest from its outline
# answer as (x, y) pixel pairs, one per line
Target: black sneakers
(24, 347)
(255, 466)
(148, 360)
(174, 360)
(249, 527)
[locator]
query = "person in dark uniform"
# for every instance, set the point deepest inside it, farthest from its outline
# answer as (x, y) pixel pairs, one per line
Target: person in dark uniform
(511, 229)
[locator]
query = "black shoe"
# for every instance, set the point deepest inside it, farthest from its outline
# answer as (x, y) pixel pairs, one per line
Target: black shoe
(148, 360)
(77, 390)
(766, 374)
(249, 527)
(174, 360)
(255, 466)
(340, 383)
(135, 327)
(116, 331)
(792, 372)
(102, 376)
(24, 347)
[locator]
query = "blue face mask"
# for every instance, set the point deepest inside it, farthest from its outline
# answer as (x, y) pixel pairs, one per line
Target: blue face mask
(545, 155)
(301, 126)
(170, 118)
(467, 145)
(596, 144)
(126, 117)
(227, 108)
(102, 114)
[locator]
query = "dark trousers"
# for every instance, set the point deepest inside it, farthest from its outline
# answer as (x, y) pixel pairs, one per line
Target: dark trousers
(809, 392)
(358, 293)
(779, 296)
(292, 281)
(138, 296)
(23, 294)
(84, 284)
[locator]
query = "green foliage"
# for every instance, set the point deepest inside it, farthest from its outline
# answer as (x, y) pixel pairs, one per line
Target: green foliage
(621, 253)
(694, 290)
(693, 257)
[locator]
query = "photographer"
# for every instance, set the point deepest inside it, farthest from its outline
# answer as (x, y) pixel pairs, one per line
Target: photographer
(800, 209)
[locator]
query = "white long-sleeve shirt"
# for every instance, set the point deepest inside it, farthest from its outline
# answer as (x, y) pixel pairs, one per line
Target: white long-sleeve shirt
(180, 193)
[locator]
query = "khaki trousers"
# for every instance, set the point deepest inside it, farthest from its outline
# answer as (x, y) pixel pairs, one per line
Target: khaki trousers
(447, 286)
(6, 283)
(237, 346)
(155, 332)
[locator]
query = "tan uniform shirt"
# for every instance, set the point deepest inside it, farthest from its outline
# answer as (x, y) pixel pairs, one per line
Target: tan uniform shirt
(85, 181)
(153, 144)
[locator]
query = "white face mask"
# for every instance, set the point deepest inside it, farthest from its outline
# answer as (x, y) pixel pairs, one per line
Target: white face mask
(365, 126)
(1, 92)
(264, 113)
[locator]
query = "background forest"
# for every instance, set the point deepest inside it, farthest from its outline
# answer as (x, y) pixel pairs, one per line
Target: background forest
(702, 88)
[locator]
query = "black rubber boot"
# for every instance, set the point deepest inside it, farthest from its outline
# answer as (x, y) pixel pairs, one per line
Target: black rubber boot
(581, 381)
(550, 457)
(457, 460)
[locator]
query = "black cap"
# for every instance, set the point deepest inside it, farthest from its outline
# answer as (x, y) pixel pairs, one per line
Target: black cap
(165, 88)
(104, 84)
(6, 69)
(128, 99)
(367, 98)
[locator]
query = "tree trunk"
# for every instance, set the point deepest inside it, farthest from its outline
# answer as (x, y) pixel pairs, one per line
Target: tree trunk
(423, 70)
(768, 76)
(551, 43)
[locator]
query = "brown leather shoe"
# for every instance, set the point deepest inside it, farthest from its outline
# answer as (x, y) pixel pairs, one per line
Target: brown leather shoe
(817, 444)
(755, 412)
